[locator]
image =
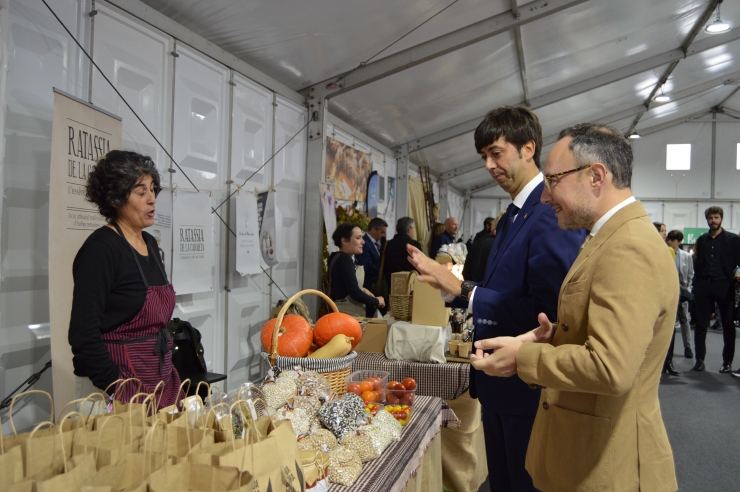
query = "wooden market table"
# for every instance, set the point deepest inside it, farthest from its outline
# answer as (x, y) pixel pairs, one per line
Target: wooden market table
(463, 451)
(413, 463)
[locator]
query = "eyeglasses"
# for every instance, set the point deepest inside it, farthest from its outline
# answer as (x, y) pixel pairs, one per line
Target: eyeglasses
(553, 179)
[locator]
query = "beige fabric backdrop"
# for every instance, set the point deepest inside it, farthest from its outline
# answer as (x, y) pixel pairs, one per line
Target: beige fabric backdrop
(417, 211)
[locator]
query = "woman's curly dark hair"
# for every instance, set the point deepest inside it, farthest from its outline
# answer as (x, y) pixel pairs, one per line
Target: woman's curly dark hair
(111, 181)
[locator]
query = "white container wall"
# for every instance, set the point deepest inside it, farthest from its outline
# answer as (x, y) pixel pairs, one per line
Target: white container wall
(220, 134)
(40, 56)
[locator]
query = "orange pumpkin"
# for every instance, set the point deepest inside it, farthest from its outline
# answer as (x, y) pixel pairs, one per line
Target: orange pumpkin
(294, 339)
(333, 324)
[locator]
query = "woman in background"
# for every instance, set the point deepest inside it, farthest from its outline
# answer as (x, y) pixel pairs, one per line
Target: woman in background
(345, 277)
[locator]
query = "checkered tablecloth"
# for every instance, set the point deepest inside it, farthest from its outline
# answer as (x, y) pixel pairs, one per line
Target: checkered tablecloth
(446, 381)
(392, 471)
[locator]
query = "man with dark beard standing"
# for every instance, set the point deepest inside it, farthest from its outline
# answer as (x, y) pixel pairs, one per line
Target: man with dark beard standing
(717, 257)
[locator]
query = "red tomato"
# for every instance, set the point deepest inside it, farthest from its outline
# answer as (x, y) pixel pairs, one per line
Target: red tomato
(366, 386)
(392, 399)
(354, 388)
(397, 388)
(377, 384)
(368, 396)
(407, 399)
(409, 383)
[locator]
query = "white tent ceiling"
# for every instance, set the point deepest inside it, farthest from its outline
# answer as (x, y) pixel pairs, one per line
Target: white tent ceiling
(580, 60)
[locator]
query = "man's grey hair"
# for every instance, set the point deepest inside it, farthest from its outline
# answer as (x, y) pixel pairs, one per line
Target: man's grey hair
(597, 142)
(404, 225)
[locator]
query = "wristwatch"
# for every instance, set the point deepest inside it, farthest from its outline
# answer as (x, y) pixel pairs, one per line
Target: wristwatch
(466, 288)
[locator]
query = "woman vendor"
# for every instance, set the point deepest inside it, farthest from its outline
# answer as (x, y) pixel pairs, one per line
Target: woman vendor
(122, 300)
(345, 277)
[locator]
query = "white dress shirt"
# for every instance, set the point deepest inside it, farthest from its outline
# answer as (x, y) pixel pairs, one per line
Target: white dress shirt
(599, 223)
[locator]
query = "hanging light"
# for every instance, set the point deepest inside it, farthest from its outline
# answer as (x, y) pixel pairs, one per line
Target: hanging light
(718, 25)
(635, 136)
(662, 98)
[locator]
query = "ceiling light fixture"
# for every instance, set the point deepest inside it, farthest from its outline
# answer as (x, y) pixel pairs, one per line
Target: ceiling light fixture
(635, 136)
(718, 25)
(662, 98)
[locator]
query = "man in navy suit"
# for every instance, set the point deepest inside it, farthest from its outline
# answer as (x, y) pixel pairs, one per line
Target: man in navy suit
(527, 264)
(370, 257)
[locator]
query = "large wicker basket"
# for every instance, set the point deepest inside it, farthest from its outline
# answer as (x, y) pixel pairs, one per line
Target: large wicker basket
(334, 370)
(401, 299)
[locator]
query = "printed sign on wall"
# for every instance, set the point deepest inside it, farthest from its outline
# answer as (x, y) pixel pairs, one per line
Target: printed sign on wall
(192, 257)
(266, 212)
(328, 207)
(247, 234)
(81, 134)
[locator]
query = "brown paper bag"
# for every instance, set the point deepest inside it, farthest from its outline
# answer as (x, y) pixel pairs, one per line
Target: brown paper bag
(186, 477)
(131, 472)
(112, 441)
(271, 455)
(11, 466)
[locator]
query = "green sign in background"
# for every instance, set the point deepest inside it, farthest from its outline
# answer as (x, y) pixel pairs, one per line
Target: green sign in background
(691, 234)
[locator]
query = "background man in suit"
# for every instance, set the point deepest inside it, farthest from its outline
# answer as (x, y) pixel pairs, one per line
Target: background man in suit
(396, 258)
(598, 425)
(525, 268)
(717, 256)
(370, 257)
(685, 266)
(487, 229)
(447, 237)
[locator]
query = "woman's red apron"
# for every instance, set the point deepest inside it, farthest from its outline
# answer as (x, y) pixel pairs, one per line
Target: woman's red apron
(142, 347)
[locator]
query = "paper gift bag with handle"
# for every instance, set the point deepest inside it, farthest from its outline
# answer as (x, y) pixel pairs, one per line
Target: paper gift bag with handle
(11, 466)
(272, 457)
(187, 477)
(112, 441)
(130, 473)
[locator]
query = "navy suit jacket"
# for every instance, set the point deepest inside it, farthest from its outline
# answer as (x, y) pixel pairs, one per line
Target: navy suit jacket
(523, 278)
(370, 259)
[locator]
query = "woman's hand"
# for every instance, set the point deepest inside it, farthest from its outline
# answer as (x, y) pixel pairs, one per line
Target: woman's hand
(381, 302)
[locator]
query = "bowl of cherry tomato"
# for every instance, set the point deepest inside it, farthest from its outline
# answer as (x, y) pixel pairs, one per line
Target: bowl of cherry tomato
(399, 398)
(369, 385)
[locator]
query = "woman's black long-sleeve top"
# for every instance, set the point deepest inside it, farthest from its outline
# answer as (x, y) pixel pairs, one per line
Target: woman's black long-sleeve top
(344, 281)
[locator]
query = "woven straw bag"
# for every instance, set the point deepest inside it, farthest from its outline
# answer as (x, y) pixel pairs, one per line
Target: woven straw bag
(401, 299)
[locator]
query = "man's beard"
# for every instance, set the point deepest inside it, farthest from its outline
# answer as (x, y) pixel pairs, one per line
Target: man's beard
(714, 227)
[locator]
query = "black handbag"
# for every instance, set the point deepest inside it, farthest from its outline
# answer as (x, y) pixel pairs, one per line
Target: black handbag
(187, 349)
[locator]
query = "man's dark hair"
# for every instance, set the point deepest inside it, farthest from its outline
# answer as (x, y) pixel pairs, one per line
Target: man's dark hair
(488, 221)
(343, 231)
(597, 142)
(114, 176)
(376, 223)
(675, 235)
(404, 225)
(714, 211)
(517, 125)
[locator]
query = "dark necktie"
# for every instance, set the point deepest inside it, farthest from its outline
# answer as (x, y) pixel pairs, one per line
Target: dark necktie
(507, 220)
(377, 245)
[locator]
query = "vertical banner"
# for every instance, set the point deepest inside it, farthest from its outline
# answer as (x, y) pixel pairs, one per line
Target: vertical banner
(247, 234)
(328, 207)
(390, 208)
(80, 135)
(268, 245)
(192, 258)
(162, 228)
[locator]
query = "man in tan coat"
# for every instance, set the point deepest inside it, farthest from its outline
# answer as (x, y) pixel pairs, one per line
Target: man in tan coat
(598, 426)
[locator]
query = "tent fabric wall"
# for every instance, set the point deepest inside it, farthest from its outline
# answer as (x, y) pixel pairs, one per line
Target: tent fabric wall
(216, 131)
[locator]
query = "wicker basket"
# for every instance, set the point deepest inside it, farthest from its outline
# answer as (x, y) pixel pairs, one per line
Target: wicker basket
(401, 299)
(334, 370)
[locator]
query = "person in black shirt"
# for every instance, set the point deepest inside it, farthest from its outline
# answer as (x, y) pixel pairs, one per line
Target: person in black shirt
(345, 277)
(488, 226)
(717, 257)
(122, 300)
(396, 256)
(447, 237)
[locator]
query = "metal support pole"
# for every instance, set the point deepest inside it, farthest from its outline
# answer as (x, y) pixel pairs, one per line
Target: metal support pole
(714, 153)
(402, 181)
(313, 231)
